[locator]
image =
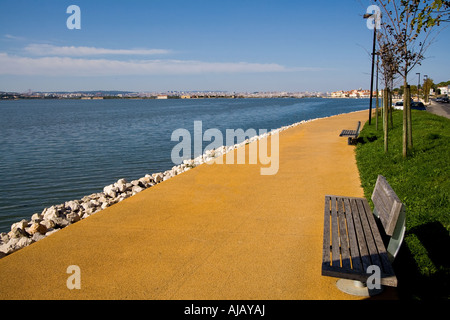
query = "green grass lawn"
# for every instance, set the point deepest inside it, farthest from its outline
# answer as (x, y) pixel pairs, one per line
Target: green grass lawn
(422, 182)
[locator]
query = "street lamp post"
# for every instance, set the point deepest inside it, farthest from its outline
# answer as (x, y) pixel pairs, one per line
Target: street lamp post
(425, 94)
(366, 16)
(418, 88)
(376, 99)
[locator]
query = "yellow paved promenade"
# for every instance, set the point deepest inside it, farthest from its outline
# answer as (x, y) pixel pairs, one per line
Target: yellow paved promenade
(214, 232)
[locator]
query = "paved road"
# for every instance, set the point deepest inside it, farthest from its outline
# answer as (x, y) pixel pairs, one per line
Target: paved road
(441, 109)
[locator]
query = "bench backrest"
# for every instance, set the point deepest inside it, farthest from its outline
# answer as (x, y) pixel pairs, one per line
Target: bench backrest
(357, 128)
(391, 212)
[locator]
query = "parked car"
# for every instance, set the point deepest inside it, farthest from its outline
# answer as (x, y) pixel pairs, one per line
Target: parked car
(442, 99)
(414, 105)
(418, 106)
(398, 105)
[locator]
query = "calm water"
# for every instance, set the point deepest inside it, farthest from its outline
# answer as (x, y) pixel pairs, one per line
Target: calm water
(52, 151)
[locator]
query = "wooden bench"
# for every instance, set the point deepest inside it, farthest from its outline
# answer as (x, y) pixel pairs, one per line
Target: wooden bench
(352, 241)
(351, 134)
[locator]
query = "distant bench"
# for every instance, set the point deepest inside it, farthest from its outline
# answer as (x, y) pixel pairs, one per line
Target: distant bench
(352, 241)
(351, 134)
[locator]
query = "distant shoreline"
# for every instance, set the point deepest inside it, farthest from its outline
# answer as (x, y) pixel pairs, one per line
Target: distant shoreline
(22, 97)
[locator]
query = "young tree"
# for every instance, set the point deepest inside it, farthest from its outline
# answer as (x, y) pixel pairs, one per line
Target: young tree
(427, 85)
(433, 14)
(389, 70)
(407, 29)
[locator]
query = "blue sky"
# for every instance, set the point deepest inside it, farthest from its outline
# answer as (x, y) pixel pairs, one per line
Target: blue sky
(159, 45)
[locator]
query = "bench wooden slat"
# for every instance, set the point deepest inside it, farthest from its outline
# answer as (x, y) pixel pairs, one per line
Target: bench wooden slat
(368, 234)
(382, 202)
(335, 252)
(326, 250)
(346, 133)
(354, 250)
(364, 253)
(343, 235)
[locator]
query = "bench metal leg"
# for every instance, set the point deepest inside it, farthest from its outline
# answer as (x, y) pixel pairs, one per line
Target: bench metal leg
(352, 141)
(357, 288)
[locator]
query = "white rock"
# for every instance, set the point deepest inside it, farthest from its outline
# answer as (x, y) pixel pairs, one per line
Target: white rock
(20, 225)
(23, 242)
(9, 247)
(37, 228)
(4, 238)
(129, 186)
(72, 217)
(16, 233)
(61, 222)
(49, 224)
(121, 185)
(105, 205)
(110, 190)
(135, 182)
(86, 205)
(36, 217)
(50, 213)
(167, 175)
(37, 236)
(158, 177)
(145, 182)
(94, 203)
(122, 181)
(189, 163)
(72, 205)
(88, 212)
(136, 189)
(85, 199)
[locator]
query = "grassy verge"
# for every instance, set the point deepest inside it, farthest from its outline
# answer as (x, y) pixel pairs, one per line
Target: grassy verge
(422, 182)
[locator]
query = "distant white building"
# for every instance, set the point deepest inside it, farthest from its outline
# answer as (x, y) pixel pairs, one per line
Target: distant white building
(353, 94)
(444, 90)
(162, 97)
(339, 94)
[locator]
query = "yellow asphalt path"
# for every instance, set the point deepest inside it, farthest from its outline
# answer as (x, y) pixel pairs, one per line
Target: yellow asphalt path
(218, 231)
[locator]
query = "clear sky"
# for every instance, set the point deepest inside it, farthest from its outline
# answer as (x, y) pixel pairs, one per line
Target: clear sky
(159, 45)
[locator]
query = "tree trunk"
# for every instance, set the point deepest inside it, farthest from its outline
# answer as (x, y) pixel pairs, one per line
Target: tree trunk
(390, 110)
(376, 111)
(410, 141)
(405, 119)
